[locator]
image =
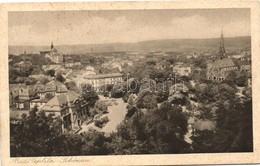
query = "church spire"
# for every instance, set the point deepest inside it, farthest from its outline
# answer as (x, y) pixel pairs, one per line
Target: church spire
(222, 51)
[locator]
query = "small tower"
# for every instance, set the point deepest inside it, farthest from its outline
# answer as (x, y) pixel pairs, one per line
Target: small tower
(52, 45)
(63, 60)
(222, 52)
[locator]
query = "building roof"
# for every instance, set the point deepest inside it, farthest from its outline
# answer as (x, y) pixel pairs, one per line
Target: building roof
(204, 124)
(58, 100)
(100, 76)
(55, 86)
(44, 100)
(63, 98)
(227, 62)
(71, 96)
(15, 86)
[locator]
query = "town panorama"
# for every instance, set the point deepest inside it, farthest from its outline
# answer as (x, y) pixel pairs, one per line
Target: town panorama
(170, 95)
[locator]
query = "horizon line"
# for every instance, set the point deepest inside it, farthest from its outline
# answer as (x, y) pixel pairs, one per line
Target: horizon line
(133, 42)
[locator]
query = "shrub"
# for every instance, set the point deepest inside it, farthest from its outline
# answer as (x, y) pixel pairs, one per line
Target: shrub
(101, 122)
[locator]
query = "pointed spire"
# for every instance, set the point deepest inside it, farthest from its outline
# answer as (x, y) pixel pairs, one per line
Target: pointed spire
(222, 52)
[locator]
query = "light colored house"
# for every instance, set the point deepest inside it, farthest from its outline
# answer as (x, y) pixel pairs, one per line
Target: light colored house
(53, 55)
(26, 93)
(51, 67)
(40, 76)
(23, 64)
(39, 103)
(53, 87)
(182, 70)
(71, 107)
(97, 80)
(72, 64)
(14, 92)
(90, 68)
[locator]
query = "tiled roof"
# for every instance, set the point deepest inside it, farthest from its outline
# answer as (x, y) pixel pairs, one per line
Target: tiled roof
(58, 100)
(71, 96)
(39, 87)
(15, 86)
(63, 98)
(103, 76)
(56, 86)
(223, 63)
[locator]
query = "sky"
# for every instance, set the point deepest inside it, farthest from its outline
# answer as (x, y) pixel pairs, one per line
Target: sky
(94, 27)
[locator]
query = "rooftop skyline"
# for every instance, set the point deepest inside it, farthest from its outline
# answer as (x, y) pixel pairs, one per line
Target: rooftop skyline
(95, 27)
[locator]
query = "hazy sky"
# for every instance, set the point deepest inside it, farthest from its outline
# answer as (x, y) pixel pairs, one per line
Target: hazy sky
(90, 27)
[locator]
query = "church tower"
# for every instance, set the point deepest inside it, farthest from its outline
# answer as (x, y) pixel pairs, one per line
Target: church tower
(222, 52)
(52, 45)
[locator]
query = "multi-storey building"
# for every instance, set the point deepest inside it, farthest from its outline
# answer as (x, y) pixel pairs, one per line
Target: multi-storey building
(21, 95)
(53, 55)
(71, 107)
(97, 80)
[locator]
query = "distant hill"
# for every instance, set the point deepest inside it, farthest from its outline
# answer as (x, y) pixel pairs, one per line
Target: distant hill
(145, 46)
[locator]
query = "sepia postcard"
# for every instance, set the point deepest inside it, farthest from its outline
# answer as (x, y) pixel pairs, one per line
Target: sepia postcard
(130, 83)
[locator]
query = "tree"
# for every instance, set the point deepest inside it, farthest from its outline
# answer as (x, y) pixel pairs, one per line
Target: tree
(59, 77)
(40, 135)
(101, 122)
(71, 85)
(50, 73)
(159, 131)
(94, 144)
(106, 89)
(89, 95)
(146, 99)
(34, 135)
(100, 107)
(118, 90)
(241, 79)
(233, 118)
(48, 96)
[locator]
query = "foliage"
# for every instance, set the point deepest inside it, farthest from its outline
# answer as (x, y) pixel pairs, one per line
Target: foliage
(48, 96)
(50, 73)
(106, 89)
(40, 135)
(101, 122)
(71, 85)
(19, 75)
(59, 77)
(100, 107)
(239, 78)
(35, 135)
(146, 99)
(89, 95)
(233, 132)
(118, 91)
(156, 132)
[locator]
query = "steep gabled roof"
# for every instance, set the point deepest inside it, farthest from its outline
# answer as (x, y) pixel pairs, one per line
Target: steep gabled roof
(58, 100)
(63, 98)
(227, 62)
(71, 96)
